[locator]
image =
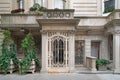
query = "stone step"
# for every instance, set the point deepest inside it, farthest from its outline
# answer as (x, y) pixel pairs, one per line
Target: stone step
(84, 70)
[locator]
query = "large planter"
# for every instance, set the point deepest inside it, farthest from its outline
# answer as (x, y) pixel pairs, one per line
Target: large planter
(32, 67)
(11, 68)
(101, 64)
(102, 68)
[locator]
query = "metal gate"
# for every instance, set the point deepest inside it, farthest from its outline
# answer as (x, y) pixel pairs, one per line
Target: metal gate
(58, 51)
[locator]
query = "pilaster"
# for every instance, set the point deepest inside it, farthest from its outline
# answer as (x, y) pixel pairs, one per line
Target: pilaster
(117, 4)
(116, 51)
(87, 49)
(44, 52)
(72, 51)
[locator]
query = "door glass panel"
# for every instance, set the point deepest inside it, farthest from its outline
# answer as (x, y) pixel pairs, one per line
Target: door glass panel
(95, 47)
(58, 52)
(79, 52)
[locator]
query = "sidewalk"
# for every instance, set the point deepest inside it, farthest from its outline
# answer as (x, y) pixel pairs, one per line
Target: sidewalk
(60, 76)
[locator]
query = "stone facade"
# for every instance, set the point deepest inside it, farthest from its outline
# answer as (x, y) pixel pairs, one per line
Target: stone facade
(57, 31)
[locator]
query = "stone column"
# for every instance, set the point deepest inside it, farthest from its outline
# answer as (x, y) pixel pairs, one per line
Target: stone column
(87, 49)
(117, 4)
(116, 52)
(44, 52)
(72, 51)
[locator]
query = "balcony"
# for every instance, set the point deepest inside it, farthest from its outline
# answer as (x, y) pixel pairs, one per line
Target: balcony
(28, 18)
(19, 18)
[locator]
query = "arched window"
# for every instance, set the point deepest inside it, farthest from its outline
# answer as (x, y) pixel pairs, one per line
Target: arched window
(59, 4)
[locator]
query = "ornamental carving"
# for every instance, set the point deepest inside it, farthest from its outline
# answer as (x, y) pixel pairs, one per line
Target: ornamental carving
(58, 14)
(116, 32)
(117, 22)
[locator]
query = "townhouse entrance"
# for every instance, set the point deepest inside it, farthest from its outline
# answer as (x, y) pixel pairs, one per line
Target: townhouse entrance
(58, 48)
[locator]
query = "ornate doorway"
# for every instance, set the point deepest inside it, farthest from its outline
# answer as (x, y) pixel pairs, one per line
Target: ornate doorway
(58, 47)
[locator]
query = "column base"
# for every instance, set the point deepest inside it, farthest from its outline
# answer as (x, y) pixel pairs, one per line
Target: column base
(93, 69)
(72, 69)
(117, 71)
(43, 70)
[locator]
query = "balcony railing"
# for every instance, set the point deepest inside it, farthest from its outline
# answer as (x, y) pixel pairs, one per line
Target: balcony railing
(59, 14)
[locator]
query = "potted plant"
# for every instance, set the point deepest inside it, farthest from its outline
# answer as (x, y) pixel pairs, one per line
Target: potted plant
(101, 64)
(30, 61)
(8, 60)
(17, 10)
(36, 8)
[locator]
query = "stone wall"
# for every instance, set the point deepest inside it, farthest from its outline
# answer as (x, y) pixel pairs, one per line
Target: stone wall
(5, 6)
(88, 39)
(87, 7)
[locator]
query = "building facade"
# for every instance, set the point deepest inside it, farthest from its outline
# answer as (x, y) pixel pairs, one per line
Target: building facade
(69, 34)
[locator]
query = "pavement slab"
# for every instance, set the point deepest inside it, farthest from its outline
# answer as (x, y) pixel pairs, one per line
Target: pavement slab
(60, 76)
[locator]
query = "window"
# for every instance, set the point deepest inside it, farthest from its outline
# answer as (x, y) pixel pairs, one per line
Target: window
(38, 1)
(21, 4)
(59, 4)
(109, 6)
(41, 2)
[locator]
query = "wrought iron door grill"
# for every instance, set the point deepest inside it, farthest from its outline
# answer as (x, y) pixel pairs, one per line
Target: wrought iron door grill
(58, 51)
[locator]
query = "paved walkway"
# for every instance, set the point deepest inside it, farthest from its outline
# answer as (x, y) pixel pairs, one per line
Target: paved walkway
(60, 76)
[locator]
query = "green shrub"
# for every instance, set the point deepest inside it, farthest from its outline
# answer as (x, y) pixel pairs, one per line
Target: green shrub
(102, 62)
(28, 45)
(8, 52)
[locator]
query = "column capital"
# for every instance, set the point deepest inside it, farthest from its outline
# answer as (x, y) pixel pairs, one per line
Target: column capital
(72, 31)
(43, 31)
(116, 32)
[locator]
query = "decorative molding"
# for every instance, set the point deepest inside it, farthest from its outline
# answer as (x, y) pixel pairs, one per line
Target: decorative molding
(117, 22)
(116, 32)
(43, 31)
(58, 13)
(119, 15)
(72, 31)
